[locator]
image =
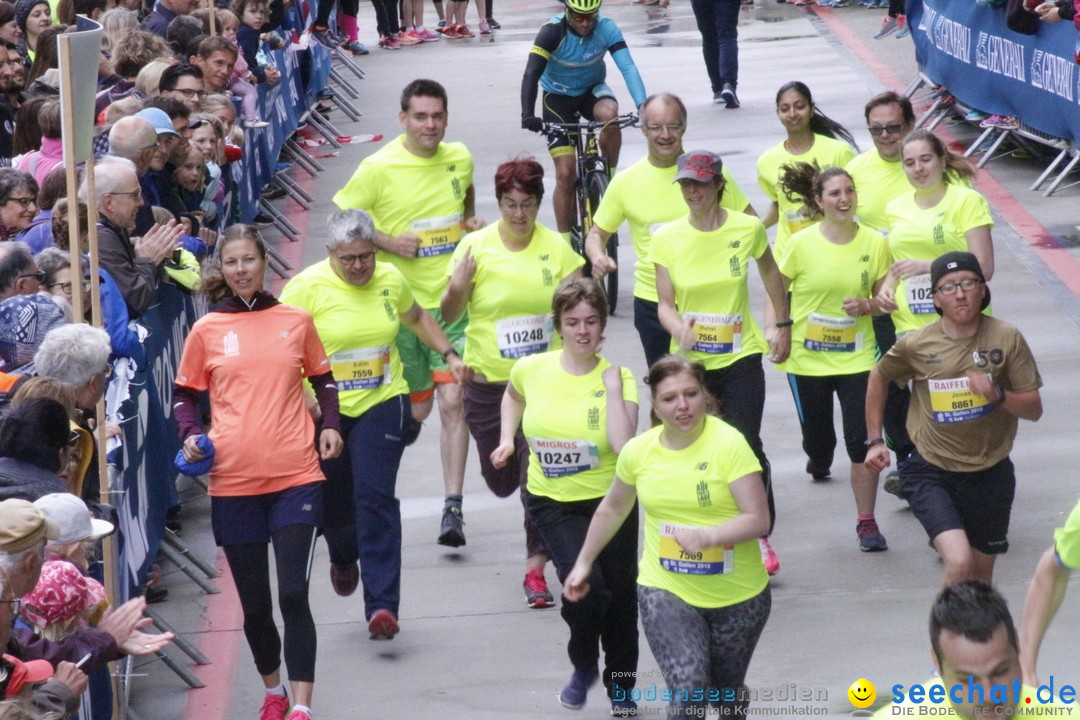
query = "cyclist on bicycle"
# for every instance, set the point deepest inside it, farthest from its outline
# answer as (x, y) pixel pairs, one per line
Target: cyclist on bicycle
(567, 59)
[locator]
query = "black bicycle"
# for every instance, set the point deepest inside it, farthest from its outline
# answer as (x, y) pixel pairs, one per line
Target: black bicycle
(590, 186)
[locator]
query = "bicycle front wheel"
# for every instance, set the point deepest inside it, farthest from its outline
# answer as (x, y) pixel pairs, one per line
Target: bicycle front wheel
(596, 183)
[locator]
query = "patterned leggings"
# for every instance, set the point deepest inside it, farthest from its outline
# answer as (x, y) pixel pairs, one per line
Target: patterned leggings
(703, 652)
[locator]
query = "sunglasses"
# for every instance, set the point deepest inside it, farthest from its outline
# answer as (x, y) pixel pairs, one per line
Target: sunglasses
(891, 129)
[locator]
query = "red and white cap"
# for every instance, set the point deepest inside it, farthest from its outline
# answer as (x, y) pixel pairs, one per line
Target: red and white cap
(699, 165)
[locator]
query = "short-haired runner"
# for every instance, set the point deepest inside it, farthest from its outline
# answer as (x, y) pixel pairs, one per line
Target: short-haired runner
(577, 411)
(419, 191)
(358, 306)
(879, 175)
(974, 647)
(504, 277)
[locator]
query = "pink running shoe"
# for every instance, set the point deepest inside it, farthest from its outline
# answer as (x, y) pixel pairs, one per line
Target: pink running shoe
(274, 707)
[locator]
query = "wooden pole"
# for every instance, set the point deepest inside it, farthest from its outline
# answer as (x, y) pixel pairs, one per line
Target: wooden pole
(213, 17)
(67, 101)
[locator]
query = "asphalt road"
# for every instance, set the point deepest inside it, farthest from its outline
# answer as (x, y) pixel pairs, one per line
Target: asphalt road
(469, 647)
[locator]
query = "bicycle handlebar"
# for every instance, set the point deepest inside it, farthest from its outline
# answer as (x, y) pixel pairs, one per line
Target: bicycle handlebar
(627, 120)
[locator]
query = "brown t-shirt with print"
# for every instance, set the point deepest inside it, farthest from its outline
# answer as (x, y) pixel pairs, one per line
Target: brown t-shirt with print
(952, 427)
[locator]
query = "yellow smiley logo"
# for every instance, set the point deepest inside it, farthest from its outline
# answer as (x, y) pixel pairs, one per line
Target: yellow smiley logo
(862, 693)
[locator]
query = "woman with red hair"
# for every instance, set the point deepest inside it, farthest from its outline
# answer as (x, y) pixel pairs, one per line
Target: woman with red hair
(504, 276)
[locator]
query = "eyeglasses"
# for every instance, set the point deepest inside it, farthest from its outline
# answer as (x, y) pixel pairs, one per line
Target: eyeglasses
(876, 130)
(134, 194)
(40, 275)
(66, 286)
(73, 438)
(16, 605)
(198, 123)
(657, 129)
(967, 285)
(189, 93)
(24, 202)
(529, 206)
(362, 258)
(581, 17)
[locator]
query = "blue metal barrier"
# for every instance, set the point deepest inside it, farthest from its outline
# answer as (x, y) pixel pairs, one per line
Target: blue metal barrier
(968, 48)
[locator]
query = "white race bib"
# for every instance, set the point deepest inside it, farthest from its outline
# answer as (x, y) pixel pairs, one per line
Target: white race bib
(919, 294)
(558, 458)
(523, 335)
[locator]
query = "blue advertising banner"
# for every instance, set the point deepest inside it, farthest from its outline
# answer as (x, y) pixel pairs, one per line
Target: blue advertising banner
(139, 401)
(968, 48)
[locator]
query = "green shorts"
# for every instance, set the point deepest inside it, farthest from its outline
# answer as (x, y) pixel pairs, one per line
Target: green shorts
(423, 367)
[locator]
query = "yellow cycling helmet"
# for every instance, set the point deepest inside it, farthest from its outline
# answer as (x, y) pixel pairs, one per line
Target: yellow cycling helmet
(583, 6)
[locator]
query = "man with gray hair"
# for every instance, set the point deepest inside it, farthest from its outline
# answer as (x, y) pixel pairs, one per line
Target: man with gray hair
(135, 264)
(18, 272)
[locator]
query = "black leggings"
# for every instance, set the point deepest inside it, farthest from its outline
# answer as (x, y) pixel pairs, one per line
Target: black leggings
(386, 17)
(740, 390)
(250, 566)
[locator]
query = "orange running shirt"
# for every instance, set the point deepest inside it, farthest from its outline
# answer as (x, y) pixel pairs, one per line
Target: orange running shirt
(253, 364)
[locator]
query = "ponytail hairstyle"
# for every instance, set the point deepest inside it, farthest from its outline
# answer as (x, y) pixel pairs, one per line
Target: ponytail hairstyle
(803, 182)
(671, 365)
(214, 286)
(820, 123)
(955, 165)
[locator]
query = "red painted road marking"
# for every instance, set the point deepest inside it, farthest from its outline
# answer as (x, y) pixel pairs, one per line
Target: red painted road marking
(222, 632)
(1044, 244)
